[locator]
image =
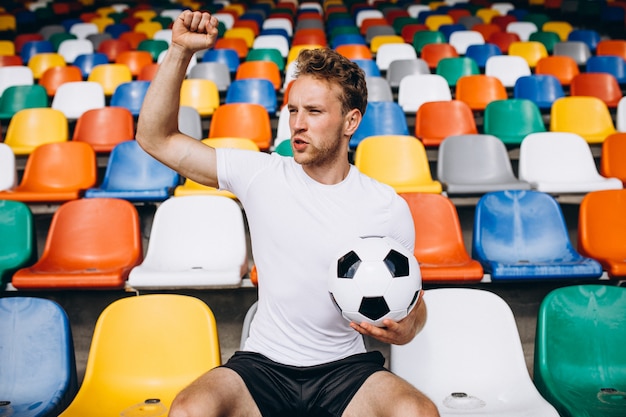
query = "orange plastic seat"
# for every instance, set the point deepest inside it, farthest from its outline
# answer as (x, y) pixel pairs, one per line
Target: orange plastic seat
(113, 47)
(563, 67)
(133, 38)
(432, 53)
(486, 29)
(238, 44)
(436, 120)
(104, 128)
(439, 245)
(242, 120)
(134, 60)
(597, 84)
(503, 40)
(260, 69)
(55, 172)
(612, 47)
(479, 90)
(30, 128)
(148, 72)
(91, 244)
(602, 230)
(354, 51)
(613, 157)
(309, 36)
(53, 77)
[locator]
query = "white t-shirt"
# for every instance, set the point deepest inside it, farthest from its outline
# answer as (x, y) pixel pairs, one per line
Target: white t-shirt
(296, 225)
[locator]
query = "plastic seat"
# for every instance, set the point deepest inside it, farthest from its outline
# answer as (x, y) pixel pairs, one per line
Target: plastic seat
(615, 47)
(156, 360)
(479, 90)
(503, 40)
(30, 128)
(134, 175)
(272, 55)
(348, 39)
(577, 50)
(601, 230)
(242, 120)
(378, 89)
(597, 84)
(355, 51)
(425, 37)
(400, 68)
(415, 90)
(579, 356)
(476, 164)
(8, 171)
(148, 28)
(521, 235)
(391, 51)
(586, 116)
(226, 56)
(135, 60)
(507, 68)
(109, 76)
(19, 245)
(11, 61)
(454, 68)
(436, 120)
(69, 49)
(39, 63)
(260, 69)
(254, 91)
(15, 75)
(55, 172)
(153, 46)
(195, 242)
(543, 90)
(309, 36)
(531, 51)
(548, 39)
(589, 36)
(432, 53)
(399, 161)
(522, 29)
(380, 40)
(237, 44)
(190, 122)
(369, 67)
(53, 77)
(201, 94)
(75, 98)
(113, 47)
(19, 97)
(439, 245)
(82, 30)
(462, 39)
(278, 42)
(472, 357)
(564, 68)
(558, 162)
(380, 118)
(611, 64)
(130, 95)
(86, 62)
(511, 120)
(30, 48)
(612, 157)
(36, 335)
(105, 127)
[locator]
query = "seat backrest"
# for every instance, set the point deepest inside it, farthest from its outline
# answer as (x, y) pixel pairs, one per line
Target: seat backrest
(15, 75)
(19, 97)
(542, 90)
(614, 65)
(589, 36)
(416, 89)
(77, 97)
(462, 39)
(190, 122)
(602, 227)
(436, 120)
(522, 29)
(135, 60)
(71, 48)
(455, 67)
(18, 247)
(86, 62)
(39, 63)
(613, 156)
(579, 363)
(602, 85)
(8, 169)
(564, 68)
(380, 118)
(245, 120)
(110, 76)
(479, 90)
(105, 127)
(147, 365)
(227, 56)
(53, 77)
(378, 89)
(425, 37)
(511, 120)
(577, 50)
(113, 47)
(586, 116)
(400, 68)
(389, 52)
(253, 90)
(480, 53)
(507, 68)
(260, 69)
(531, 51)
(611, 47)
(30, 128)
(432, 53)
(130, 95)
(36, 335)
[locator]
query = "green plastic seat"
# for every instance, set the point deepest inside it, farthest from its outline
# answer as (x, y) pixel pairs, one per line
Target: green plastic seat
(512, 119)
(18, 97)
(341, 30)
(284, 148)
(267, 54)
(154, 46)
(580, 350)
(57, 38)
(453, 68)
(18, 245)
(424, 37)
(548, 39)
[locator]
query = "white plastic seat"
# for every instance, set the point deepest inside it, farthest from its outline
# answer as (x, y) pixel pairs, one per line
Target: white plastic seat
(522, 29)
(461, 39)
(417, 89)
(217, 72)
(391, 51)
(71, 48)
(283, 132)
(363, 14)
(8, 173)
(164, 35)
(273, 42)
(84, 29)
(76, 97)
(507, 68)
(15, 75)
(226, 18)
(561, 162)
(378, 89)
(278, 23)
(195, 242)
(190, 122)
(620, 116)
(503, 7)
(468, 358)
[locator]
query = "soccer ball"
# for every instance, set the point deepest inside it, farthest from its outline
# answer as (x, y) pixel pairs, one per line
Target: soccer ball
(374, 278)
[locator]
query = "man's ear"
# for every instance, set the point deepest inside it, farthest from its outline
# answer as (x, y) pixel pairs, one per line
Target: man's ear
(352, 121)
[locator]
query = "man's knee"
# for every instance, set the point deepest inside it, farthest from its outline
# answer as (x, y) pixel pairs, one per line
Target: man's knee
(416, 405)
(185, 405)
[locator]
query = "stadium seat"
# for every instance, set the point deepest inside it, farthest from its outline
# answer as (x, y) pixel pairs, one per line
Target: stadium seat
(380, 118)
(462, 39)
(153, 46)
(246, 120)
(91, 244)
(480, 53)
(560, 162)
(195, 242)
(472, 361)
(55, 76)
(33, 47)
(36, 336)
(601, 230)
(253, 91)
(8, 169)
(190, 122)
(30, 128)
(579, 357)
(239, 45)
(602, 85)
(436, 120)
(391, 51)
(39, 63)
(613, 156)
(503, 40)
(18, 247)
(19, 97)
(614, 65)
(86, 62)
(15, 75)
(432, 53)
(531, 51)
(400, 68)
(267, 70)
(521, 235)
(479, 90)
(104, 128)
(547, 38)
(70, 49)
(586, 116)
(439, 245)
(226, 55)
(543, 90)
(144, 350)
(396, 160)
(425, 37)
(473, 164)
(355, 51)
(218, 72)
(134, 175)
(589, 36)
(201, 94)
(109, 76)
(577, 50)
(507, 68)
(378, 89)
(615, 47)
(134, 60)
(113, 47)
(268, 55)
(76, 97)
(416, 89)
(523, 29)
(511, 120)
(130, 95)
(454, 68)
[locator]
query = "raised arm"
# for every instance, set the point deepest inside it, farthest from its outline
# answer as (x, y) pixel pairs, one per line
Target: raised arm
(157, 128)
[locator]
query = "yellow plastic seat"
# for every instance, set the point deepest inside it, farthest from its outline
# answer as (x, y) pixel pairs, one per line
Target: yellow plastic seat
(149, 28)
(244, 33)
(201, 94)
(110, 76)
(561, 28)
(144, 350)
(435, 21)
(586, 116)
(531, 51)
(39, 63)
(294, 51)
(30, 128)
(190, 187)
(397, 160)
(379, 40)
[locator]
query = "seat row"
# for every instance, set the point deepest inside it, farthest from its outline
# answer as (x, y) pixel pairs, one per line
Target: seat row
(468, 356)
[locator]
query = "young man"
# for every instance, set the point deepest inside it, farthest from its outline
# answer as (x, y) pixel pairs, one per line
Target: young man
(301, 358)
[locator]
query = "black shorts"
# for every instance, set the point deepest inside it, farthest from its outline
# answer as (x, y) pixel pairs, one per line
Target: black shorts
(315, 391)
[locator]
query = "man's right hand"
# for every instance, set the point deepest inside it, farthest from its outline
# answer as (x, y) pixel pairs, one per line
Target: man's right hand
(194, 31)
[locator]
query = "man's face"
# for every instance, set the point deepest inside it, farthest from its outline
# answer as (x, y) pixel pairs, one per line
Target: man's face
(316, 122)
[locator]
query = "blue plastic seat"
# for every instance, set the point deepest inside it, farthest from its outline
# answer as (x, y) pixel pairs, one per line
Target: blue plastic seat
(380, 118)
(348, 39)
(369, 66)
(522, 235)
(612, 64)
(225, 55)
(130, 95)
(35, 47)
(481, 52)
(542, 89)
(134, 175)
(589, 36)
(448, 29)
(116, 29)
(37, 364)
(86, 62)
(253, 90)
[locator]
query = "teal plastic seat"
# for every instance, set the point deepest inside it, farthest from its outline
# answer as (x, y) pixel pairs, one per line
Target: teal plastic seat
(18, 245)
(580, 355)
(453, 68)
(511, 120)
(18, 97)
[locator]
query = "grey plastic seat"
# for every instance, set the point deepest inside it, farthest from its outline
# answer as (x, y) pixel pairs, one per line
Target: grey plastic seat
(378, 30)
(309, 24)
(378, 89)
(190, 122)
(577, 50)
(217, 72)
(400, 68)
(476, 164)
